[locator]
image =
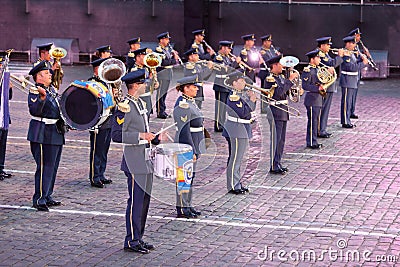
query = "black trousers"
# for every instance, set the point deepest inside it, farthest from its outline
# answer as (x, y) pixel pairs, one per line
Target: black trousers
(99, 146)
(3, 144)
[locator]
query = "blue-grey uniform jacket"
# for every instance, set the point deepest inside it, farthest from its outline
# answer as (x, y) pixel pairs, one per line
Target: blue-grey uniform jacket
(202, 51)
(189, 121)
(310, 84)
(220, 75)
(202, 72)
(168, 61)
(239, 108)
(39, 131)
(130, 61)
(281, 92)
(327, 60)
(349, 69)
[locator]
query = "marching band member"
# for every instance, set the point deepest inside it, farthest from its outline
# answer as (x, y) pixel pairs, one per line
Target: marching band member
(267, 51)
(313, 98)
(46, 136)
(100, 139)
(6, 93)
(224, 59)
(349, 78)
(190, 131)
(139, 64)
(130, 126)
(134, 44)
(103, 51)
(324, 45)
(44, 55)
(237, 129)
(205, 52)
(282, 87)
(250, 56)
(170, 58)
(203, 72)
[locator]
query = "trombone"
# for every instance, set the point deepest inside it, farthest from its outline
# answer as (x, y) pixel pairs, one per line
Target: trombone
(242, 64)
(21, 83)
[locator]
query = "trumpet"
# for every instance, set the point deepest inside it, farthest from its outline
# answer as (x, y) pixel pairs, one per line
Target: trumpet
(336, 51)
(58, 53)
(242, 64)
(215, 66)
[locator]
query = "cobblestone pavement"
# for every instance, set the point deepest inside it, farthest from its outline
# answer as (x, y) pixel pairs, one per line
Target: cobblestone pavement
(337, 206)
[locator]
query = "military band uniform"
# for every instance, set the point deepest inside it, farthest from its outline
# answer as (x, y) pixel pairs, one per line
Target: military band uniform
(360, 49)
(237, 131)
(190, 131)
(100, 139)
(129, 121)
(146, 96)
(220, 90)
(349, 79)
(246, 56)
(327, 60)
(313, 103)
(201, 47)
(46, 141)
(7, 94)
(164, 75)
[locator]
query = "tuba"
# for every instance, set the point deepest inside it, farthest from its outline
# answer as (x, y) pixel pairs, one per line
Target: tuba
(111, 71)
(296, 91)
(58, 53)
(325, 77)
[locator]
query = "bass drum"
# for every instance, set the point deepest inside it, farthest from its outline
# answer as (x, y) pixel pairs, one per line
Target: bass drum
(86, 104)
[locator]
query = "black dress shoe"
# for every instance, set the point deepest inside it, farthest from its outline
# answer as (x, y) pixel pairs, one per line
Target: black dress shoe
(186, 215)
(278, 171)
(192, 210)
(1, 178)
(106, 181)
(97, 184)
(284, 169)
(347, 126)
(161, 117)
(244, 188)
(138, 248)
(354, 116)
(317, 146)
(41, 207)
(53, 203)
(5, 174)
(328, 135)
(237, 191)
(146, 245)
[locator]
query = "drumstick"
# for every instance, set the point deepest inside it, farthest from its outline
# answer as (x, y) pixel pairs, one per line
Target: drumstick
(169, 137)
(164, 129)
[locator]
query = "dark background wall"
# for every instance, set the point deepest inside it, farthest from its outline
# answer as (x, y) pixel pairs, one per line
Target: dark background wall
(97, 22)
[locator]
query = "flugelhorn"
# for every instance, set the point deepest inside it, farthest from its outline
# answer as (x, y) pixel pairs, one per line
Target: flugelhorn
(57, 53)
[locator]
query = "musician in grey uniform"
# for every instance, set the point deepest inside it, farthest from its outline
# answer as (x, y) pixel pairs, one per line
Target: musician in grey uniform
(267, 51)
(130, 127)
(228, 64)
(349, 78)
(151, 82)
(205, 51)
(134, 44)
(202, 71)
(324, 45)
(279, 109)
(250, 56)
(237, 128)
(313, 98)
(190, 131)
(170, 58)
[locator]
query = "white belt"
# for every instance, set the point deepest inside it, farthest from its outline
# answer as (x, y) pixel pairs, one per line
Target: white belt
(199, 83)
(230, 118)
(146, 94)
(352, 73)
(45, 120)
(263, 69)
(168, 67)
(220, 76)
(196, 129)
(143, 142)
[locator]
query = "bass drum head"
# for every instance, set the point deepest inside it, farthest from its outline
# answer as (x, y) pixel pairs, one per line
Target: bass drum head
(80, 107)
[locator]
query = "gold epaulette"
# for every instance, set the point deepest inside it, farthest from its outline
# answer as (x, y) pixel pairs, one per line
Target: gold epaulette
(270, 79)
(306, 69)
(33, 90)
(183, 104)
(321, 54)
(262, 52)
(131, 54)
(189, 65)
(195, 46)
(124, 106)
(234, 97)
(159, 49)
(243, 52)
(219, 58)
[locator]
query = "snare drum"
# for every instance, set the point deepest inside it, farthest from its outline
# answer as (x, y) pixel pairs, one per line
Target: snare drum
(174, 161)
(86, 104)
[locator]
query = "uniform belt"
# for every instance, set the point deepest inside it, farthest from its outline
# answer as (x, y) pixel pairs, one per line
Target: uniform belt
(230, 118)
(352, 73)
(263, 68)
(168, 67)
(45, 120)
(146, 94)
(220, 76)
(199, 83)
(196, 129)
(143, 142)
